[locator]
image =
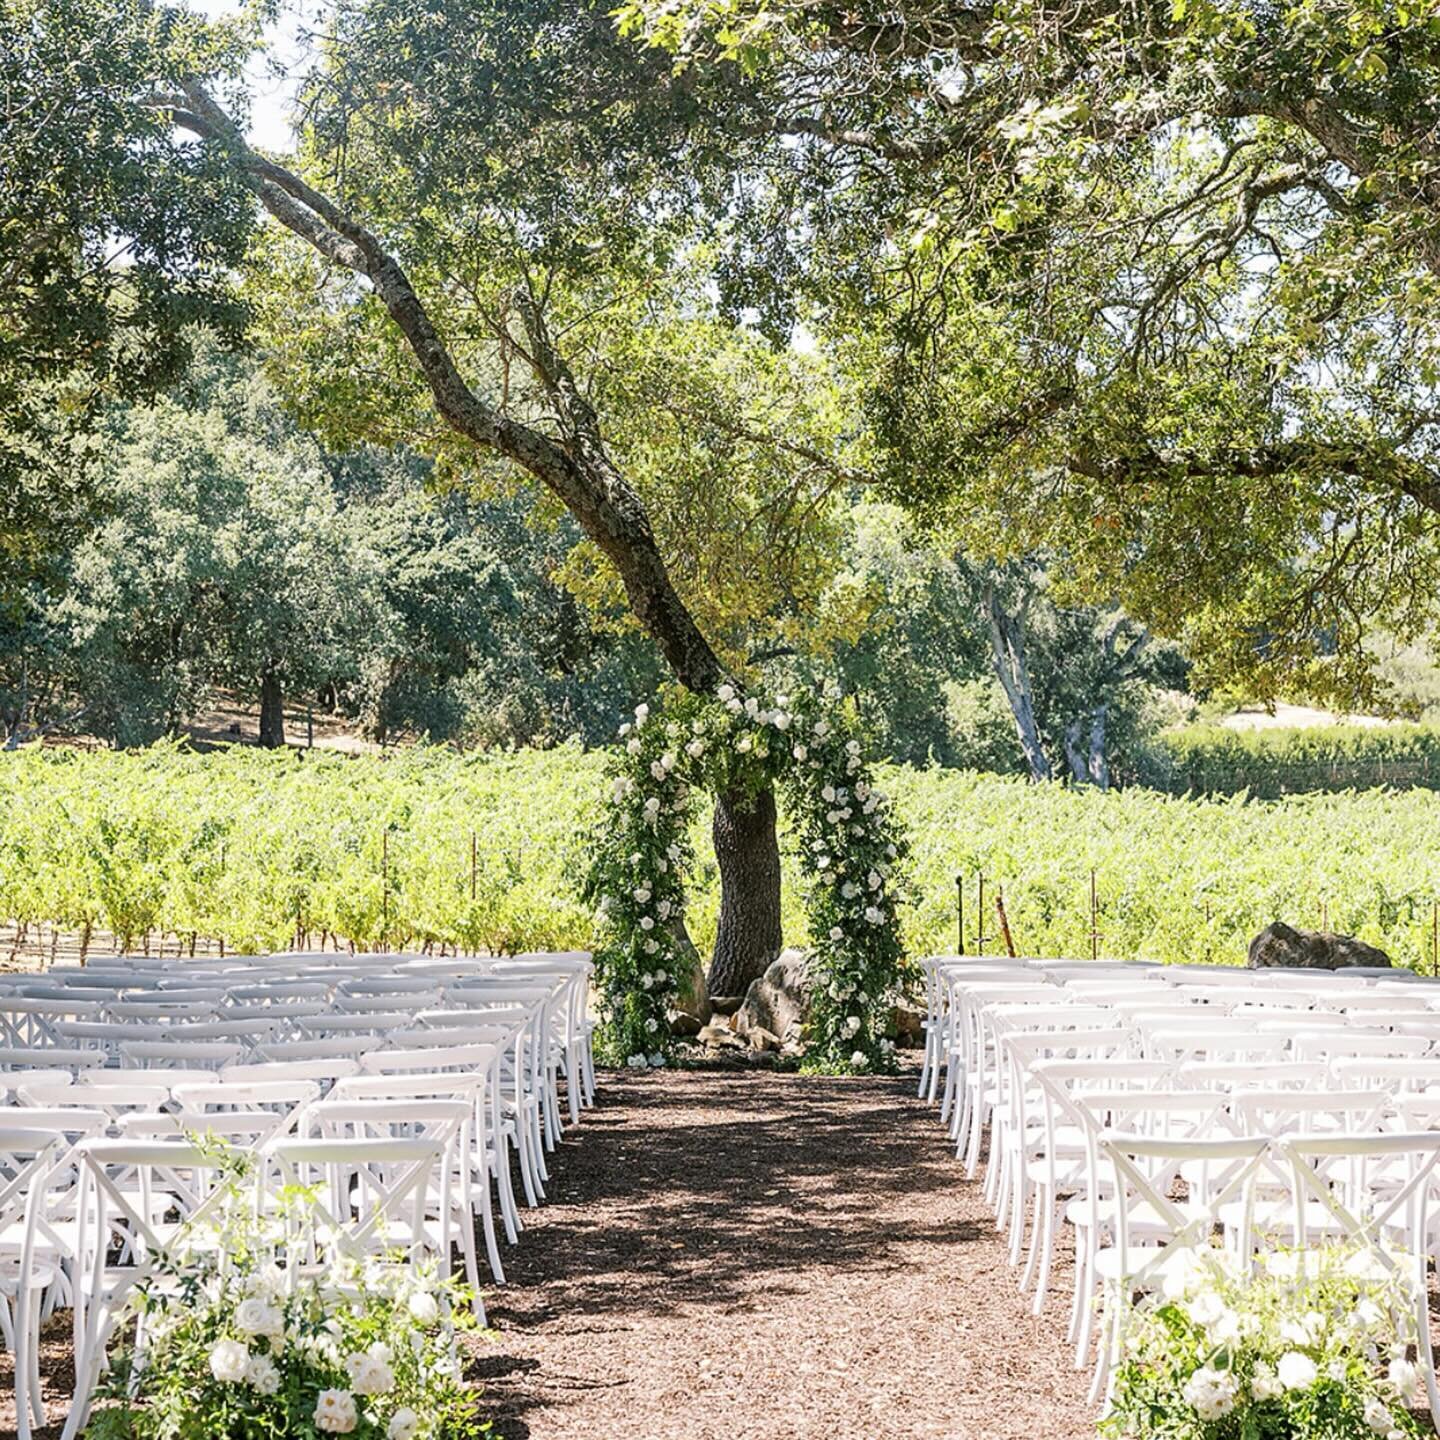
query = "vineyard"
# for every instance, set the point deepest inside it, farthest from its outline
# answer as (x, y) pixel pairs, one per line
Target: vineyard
(482, 852)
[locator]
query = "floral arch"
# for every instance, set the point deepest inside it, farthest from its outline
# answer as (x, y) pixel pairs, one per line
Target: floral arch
(842, 830)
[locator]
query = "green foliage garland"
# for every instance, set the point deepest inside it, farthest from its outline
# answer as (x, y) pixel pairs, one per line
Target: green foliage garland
(851, 851)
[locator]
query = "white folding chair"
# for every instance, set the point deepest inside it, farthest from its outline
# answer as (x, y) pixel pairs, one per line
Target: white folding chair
(30, 1255)
(117, 1179)
(1152, 1231)
(447, 1120)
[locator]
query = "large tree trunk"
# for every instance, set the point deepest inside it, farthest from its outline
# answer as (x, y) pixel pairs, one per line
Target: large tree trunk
(572, 462)
(748, 855)
(272, 712)
(1007, 644)
(1099, 764)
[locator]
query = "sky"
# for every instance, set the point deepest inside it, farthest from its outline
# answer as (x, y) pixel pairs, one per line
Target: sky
(270, 94)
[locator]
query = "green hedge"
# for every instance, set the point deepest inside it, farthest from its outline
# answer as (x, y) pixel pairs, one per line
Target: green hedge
(1208, 760)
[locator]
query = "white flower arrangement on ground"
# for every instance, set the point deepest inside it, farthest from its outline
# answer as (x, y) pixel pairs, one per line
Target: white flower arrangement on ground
(843, 832)
(229, 1345)
(1313, 1345)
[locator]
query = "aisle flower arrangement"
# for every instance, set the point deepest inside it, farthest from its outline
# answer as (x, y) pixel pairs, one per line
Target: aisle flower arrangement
(229, 1345)
(852, 851)
(1313, 1344)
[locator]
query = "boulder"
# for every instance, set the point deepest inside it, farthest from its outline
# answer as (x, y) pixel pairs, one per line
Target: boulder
(726, 1004)
(761, 1039)
(908, 1025)
(778, 998)
(683, 1025)
(1282, 946)
(692, 997)
(719, 1037)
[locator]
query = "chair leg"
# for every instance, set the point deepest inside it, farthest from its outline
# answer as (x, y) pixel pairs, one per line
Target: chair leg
(492, 1247)
(1047, 1254)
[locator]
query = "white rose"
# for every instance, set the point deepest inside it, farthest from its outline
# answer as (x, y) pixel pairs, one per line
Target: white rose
(335, 1412)
(1296, 1371)
(828, 794)
(624, 729)
(744, 744)
(849, 890)
(228, 1361)
(780, 720)
(1264, 1386)
(651, 947)
(695, 749)
(800, 752)
(633, 746)
(403, 1424)
(852, 1025)
(652, 806)
(874, 915)
(261, 1375)
(635, 1062)
(255, 1317)
(375, 1377)
(836, 933)
(647, 980)
(658, 1060)
(667, 761)
(1405, 1376)
(858, 1059)
(423, 1308)
(725, 693)
(641, 712)
(641, 894)
(652, 1025)
(752, 707)
(1210, 1393)
(646, 923)
(1377, 1416)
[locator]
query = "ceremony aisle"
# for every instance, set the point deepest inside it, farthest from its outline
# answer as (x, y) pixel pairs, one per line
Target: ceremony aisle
(770, 1257)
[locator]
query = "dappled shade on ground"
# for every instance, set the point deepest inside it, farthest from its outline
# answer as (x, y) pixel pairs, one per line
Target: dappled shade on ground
(748, 1255)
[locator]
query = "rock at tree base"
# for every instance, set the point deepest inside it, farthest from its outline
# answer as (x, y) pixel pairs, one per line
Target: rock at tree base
(692, 998)
(683, 1025)
(780, 997)
(718, 1036)
(726, 1005)
(1281, 946)
(908, 1024)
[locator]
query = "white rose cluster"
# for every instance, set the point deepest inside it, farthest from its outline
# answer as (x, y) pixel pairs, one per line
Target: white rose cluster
(335, 1412)
(1211, 1393)
(371, 1371)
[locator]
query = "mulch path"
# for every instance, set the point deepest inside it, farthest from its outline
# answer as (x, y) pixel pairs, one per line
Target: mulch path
(761, 1256)
(748, 1255)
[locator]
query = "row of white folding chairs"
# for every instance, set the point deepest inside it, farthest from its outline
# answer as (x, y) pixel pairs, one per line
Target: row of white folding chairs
(1367, 1187)
(61, 1017)
(1039, 1160)
(400, 1167)
(166, 1069)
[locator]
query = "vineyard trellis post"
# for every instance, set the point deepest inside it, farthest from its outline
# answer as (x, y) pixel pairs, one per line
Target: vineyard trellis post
(384, 887)
(960, 912)
(1094, 919)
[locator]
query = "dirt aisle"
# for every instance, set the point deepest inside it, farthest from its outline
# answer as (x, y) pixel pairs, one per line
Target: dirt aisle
(769, 1257)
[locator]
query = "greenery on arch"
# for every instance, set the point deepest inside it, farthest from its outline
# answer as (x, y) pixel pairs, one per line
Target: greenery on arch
(852, 855)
